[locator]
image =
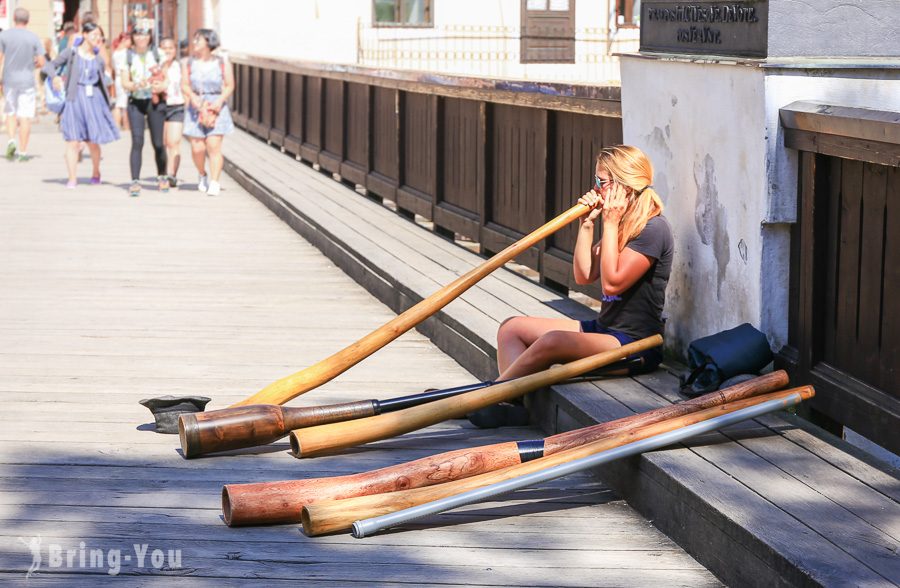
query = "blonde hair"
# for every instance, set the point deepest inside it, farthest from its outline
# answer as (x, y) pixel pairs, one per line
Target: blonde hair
(629, 166)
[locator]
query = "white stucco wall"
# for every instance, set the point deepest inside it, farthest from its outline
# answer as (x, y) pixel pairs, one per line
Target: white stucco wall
(730, 186)
(703, 127)
(313, 30)
(471, 37)
(836, 28)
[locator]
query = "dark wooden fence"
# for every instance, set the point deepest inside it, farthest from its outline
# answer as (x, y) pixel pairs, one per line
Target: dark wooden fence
(488, 160)
(845, 268)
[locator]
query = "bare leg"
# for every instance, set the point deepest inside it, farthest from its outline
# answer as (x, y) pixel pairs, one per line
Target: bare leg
(173, 146)
(71, 157)
(95, 159)
(24, 134)
(558, 347)
(518, 333)
(11, 126)
(216, 161)
(198, 154)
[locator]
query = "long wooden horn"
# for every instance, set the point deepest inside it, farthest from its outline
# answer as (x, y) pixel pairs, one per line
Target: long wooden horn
(265, 503)
(305, 380)
(328, 516)
(316, 440)
(259, 424)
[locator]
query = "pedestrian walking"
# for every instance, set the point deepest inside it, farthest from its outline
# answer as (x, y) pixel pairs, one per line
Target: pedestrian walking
(145, 82)
(208, 82)
(174, 109)
(86, 116)
(120, 47)
(21, 53)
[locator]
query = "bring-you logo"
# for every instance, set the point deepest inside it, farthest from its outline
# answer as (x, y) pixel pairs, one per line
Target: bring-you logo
(54, 556)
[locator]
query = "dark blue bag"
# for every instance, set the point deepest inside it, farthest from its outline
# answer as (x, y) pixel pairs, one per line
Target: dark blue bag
(716, 358)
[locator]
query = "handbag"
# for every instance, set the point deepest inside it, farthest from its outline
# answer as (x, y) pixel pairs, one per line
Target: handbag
(716, 358)
(55, 99)
(207, 117)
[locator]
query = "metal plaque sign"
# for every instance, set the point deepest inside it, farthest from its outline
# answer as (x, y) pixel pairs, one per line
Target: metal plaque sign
(738, 28)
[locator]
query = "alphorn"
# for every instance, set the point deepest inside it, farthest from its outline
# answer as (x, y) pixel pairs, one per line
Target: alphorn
(328, 516)
(316, 440)
(362, 528)
(265, 503)
(260, 424)
(315, 375)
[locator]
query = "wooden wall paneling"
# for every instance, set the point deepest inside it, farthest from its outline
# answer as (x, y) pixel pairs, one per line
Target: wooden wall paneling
(848, 267)
(267, 96)
(312, 120)
(517, 157)
(890, 316)
(333, 116)
(279, 108)
(831, 250)
(871, 270)
(460, 159)
(385, 141)
(255, 111)
(355, 166)
(418, 154)
(242, 85)
(294, 139)
(575, 141)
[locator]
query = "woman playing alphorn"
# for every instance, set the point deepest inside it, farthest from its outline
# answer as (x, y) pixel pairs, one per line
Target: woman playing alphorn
(632, 260)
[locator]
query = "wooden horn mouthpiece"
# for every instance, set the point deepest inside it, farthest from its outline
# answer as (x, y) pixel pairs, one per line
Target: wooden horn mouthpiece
(257, 424)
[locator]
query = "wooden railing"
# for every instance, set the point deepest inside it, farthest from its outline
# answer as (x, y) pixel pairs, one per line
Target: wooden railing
(486, 159)
(844, 328)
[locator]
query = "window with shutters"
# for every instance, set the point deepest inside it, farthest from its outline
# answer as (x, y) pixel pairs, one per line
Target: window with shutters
(402, 13)
(548, 31)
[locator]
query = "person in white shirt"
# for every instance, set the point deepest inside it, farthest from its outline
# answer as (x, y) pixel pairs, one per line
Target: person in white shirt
(174, 108)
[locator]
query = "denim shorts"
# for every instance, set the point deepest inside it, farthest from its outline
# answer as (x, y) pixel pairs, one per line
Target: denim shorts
(652, 357)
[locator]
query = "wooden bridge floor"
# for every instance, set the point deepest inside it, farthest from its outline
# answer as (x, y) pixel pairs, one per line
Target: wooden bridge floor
(105, 300)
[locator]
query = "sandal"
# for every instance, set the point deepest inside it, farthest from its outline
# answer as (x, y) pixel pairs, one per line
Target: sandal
(135, 190)
(163, 184)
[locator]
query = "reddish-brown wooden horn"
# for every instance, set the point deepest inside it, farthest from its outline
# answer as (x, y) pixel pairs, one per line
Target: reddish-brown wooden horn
(281, 502)
(317, 440)
(327, 516)
(305, 380)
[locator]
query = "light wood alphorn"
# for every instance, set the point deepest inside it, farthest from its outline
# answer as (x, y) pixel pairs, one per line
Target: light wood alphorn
(313, 441)
(305, 380)
(328, 516)
(265, 503)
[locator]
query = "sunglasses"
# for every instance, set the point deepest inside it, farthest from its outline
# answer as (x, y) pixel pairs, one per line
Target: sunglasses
(600, 183)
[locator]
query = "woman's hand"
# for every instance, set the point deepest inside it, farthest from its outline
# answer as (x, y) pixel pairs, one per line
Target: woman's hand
(216, 105)
(615, 204)
(595, 202)
(58, 83)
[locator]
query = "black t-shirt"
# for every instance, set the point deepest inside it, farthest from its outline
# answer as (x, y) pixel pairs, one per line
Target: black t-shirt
(638, 311)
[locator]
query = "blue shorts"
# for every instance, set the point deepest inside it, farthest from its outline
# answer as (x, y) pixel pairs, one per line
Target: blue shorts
(652, 357)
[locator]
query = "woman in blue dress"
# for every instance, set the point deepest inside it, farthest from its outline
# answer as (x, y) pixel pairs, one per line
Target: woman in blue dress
(207, 83)
(86, 116)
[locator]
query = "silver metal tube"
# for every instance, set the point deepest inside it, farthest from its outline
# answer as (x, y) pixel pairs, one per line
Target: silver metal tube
(363, 528)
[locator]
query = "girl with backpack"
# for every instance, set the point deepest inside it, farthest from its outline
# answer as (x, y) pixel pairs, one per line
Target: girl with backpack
(207, 83)
(85, 116)
(146, 84)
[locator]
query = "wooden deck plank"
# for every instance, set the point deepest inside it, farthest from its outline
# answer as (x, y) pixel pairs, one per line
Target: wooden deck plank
(182, 293)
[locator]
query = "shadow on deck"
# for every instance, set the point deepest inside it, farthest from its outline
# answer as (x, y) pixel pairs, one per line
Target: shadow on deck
(773, 502)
